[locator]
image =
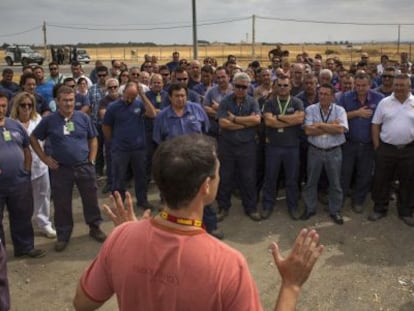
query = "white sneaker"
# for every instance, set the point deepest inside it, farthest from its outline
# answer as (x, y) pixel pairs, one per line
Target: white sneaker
(49, 232)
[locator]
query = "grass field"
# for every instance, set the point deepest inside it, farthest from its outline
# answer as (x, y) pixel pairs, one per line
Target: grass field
(135, 55)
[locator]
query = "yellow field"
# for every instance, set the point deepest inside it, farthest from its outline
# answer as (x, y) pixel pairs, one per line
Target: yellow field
(244, 52)
(135, 55)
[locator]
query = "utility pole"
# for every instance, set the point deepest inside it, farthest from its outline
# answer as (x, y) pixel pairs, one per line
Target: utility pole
(195, 43)
(45, 40)
(398, 43)
(253, 36)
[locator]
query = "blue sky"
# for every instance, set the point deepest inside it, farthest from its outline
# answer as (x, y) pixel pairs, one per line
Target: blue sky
(134, 18)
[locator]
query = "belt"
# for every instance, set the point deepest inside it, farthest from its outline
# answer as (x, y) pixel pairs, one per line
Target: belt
(325, 149)
(400, 146)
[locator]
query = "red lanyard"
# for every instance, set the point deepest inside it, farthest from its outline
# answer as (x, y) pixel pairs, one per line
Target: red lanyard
(182, 221)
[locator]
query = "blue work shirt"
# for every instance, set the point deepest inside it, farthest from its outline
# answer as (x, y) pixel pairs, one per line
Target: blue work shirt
(13, 138)
(360, 128)
(127, 124)
(71, 148)
(81, 101)
(168, 125)
(247, 108)
(46, 91)
(313, 114)
(202, 89)
(192, 96)
(152, 96)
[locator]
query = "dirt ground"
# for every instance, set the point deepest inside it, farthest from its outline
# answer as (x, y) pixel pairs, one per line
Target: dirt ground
(365, 266)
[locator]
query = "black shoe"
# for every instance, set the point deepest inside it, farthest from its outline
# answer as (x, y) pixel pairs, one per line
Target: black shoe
(254, 216)
(223, 213)
(358, 209)
(306, 215)
(106, 189)
(374, 216)
(218, 234)
(408, 220)
(265, 213)
(294, 214)
(61, 245)
(33, 253)
(97, 234)
(337, 218)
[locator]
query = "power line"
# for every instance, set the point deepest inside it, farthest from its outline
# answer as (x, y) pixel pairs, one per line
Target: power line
(150, 28)
(21, 32)
(140, 24)
(331, 22)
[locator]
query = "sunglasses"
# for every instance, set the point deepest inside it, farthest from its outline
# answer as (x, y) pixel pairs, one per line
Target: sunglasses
(23, 105)
(165, 74)
(71, 85)
(388, 76)
(102, 75)
(112, 87)
(134, 74)
(182, 79)
(53, 68)
(283, 85)
(241, 87)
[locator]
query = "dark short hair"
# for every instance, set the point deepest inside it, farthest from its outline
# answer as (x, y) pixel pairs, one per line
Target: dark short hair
(82, 79)
(362, 76)
(102, 68)
(75, 63)
(68, 79)
(176, 87)
(7, 71)
(328, 86)
(207, 69)
(26, 77)
(179, 69)
(181, 165)
(223, 68)
(53, 64)
(38, 67)
(4, 95)
(163, 67)
(64, 90)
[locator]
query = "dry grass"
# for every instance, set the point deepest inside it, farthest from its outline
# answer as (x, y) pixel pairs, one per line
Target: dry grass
(135, 55)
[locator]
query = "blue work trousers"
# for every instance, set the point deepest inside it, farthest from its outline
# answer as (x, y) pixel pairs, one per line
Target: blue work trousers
(240, 158)
(275, 158)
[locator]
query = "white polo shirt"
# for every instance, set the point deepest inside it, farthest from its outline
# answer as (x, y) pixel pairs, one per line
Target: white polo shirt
(396, 120)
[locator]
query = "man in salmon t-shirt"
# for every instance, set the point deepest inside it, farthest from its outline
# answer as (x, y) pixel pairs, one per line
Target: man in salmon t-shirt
(169, 262)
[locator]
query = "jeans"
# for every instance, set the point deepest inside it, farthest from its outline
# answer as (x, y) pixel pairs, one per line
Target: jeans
(331, 161)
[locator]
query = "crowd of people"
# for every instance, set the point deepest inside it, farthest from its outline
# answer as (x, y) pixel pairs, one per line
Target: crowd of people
(322, 130)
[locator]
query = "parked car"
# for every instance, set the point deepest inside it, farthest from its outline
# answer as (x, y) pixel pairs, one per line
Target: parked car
(22, 54)
(83, 56)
